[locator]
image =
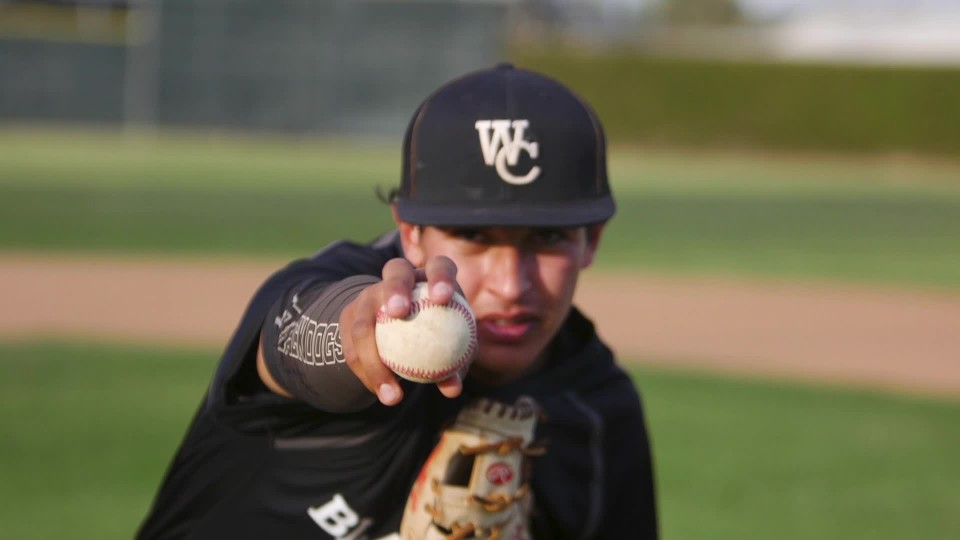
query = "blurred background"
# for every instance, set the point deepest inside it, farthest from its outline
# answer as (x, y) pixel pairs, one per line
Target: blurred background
(782, 277)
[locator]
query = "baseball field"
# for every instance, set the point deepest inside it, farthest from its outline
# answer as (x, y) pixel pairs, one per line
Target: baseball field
(793, 322)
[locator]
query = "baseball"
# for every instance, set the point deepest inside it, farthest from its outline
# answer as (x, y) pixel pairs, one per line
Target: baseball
(431, 343)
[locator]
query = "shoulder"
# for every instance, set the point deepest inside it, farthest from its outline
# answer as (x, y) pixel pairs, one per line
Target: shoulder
(588, 377)
(337, 261)
(356, 258)
(581, 360)
(341, 259)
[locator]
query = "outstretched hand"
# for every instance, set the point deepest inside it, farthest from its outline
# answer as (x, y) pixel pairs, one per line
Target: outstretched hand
(358, 322)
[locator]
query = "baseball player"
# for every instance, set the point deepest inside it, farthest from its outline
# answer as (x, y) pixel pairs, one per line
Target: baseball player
(304, 433)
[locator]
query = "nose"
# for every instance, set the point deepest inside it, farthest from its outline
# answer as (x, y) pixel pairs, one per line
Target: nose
(509, 272)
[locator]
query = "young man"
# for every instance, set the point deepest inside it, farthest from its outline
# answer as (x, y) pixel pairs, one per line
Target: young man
(304, 433)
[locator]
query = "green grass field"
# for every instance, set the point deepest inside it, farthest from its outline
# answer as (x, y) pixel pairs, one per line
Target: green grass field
(89, 430)
(853, 220)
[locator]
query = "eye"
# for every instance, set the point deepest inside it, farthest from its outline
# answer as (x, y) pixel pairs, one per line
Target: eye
(468, 234)
(549, 236)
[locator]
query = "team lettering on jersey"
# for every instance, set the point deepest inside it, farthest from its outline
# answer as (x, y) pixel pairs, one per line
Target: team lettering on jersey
(501, 148)
(337, 519)
(309, 341)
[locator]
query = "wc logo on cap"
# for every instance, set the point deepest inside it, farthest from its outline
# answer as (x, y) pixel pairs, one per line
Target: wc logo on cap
(501, 148)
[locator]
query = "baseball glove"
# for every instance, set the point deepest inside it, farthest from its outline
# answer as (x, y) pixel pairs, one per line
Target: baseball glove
(475, 483)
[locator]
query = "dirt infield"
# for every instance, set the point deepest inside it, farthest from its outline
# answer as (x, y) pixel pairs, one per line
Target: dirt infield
(897, 339)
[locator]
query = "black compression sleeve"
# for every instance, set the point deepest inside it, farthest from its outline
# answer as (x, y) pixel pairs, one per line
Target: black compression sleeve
(302, 348)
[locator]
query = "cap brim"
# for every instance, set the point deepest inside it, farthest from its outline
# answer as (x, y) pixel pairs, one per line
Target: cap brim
(561, 214)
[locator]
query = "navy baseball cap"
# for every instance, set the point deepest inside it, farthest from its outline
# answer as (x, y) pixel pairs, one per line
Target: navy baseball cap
(504, 147)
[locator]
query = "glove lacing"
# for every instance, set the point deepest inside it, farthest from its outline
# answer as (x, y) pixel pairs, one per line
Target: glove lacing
(497, 502)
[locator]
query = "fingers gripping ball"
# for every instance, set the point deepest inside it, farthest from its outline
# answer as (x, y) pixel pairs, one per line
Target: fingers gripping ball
(432, 343)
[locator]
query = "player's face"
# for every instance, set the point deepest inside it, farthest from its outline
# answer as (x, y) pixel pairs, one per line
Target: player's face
(519, 281)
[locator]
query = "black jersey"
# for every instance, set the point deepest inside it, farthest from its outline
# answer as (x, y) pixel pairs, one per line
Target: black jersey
(596, 479)
(256, 465)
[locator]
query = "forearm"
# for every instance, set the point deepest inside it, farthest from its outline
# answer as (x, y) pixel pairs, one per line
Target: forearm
(301, 355)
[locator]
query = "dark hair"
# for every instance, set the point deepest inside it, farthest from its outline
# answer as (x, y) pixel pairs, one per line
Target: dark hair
(386, 195)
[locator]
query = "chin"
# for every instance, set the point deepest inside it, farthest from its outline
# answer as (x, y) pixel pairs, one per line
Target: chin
(501, 366)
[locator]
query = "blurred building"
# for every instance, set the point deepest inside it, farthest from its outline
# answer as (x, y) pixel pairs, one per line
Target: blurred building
(878, 31)
(850, 31)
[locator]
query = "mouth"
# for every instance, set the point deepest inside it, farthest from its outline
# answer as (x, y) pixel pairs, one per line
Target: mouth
(502, 329)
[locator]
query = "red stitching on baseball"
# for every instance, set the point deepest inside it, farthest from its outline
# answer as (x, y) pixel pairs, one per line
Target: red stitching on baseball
(434, 375)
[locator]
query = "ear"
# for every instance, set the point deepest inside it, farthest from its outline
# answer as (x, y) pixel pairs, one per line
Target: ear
(594, 232)
(410, 239)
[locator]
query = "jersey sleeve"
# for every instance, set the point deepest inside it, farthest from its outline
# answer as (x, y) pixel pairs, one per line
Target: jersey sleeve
(236, 384)
(302, 347)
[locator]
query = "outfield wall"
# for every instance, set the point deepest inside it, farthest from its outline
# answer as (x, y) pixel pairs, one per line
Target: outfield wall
(362, 66)
(293, 66)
